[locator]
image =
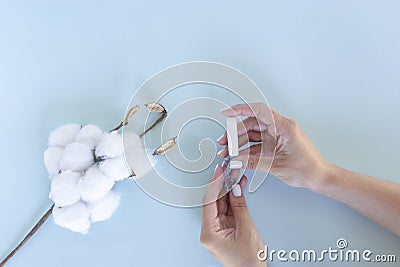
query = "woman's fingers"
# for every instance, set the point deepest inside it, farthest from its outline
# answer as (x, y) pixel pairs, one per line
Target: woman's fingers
(252, 160)
(256, 110)
(251, 150)
(210, 208)
(255, 149)
(243, 127)
(251, 136)
(222, 203)
(239, 209)
(242, 183)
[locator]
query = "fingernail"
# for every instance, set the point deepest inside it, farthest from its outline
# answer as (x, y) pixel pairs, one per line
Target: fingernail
(220, 138)
(236, 190)
(219, 152)
(216, 167)
(235, 164)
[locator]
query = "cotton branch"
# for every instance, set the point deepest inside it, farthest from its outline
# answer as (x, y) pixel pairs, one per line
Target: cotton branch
(29, 235)
(155, 107)
(169, 145)
(132, 111)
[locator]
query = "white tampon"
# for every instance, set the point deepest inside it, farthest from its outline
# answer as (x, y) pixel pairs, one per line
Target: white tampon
(233, 146)
(231, 128)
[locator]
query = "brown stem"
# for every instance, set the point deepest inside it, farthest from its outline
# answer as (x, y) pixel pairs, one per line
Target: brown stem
(28, 235)
(132, 111)
(40, 222)
(119, 126)
(50, 210)
(160, 119)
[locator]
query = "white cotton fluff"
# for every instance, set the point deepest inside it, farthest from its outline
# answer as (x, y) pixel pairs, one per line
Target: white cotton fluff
(103, 209)
(110, 145)
(74, 217)
(64, 188)
(132, 141)
(81, 186)
(77, 156)
(90, 132)
(52, 158)
(115, 168)
(63, 135)
(141, 161)
(94, 184)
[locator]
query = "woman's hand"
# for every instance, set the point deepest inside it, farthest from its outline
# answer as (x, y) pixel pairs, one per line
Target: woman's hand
(298, 163)
(228, 231)
(293, 157)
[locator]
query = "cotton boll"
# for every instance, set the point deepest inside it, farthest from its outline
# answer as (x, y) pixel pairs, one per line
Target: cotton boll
(110, 145)
(64, 188)
(104, 208)
(132, 141)
(115, 168)
(90, 132)
(52, 158)
(63, 135)
(77, 156)
(141, 161)
(74, 217)
(94, 185)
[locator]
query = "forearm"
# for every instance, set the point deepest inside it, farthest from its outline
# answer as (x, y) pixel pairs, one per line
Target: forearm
(379, 200)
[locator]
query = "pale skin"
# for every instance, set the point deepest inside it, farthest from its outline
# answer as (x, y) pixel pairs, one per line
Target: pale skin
(298, 164)
(228, 231)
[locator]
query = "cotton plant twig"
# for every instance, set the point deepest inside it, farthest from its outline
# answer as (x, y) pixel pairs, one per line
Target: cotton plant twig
(28, 235)
(132, 111)
(160, 119)
(155, 107)
(151, 107)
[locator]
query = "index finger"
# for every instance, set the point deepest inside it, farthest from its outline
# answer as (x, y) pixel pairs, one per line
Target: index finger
(256, 110)
(210, 208)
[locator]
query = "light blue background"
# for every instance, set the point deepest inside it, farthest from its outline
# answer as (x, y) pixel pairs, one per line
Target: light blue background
(331, 65)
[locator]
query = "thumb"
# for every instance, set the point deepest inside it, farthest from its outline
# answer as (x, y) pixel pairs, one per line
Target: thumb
(239, 206)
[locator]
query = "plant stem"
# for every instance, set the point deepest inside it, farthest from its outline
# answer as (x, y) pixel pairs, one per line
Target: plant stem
(40, 222)
(28, 235)
(119, 126)
(160, 119)
(45, 216)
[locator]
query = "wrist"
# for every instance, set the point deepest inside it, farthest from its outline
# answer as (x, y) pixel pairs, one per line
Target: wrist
(323, 177)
